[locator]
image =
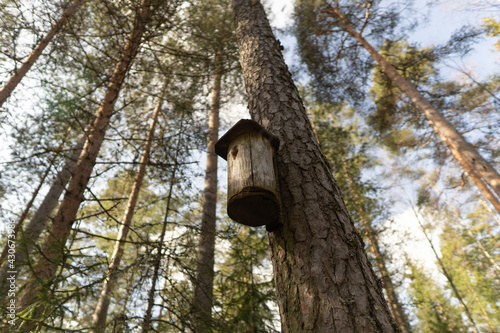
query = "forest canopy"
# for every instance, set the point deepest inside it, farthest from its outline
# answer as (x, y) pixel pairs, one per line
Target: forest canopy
(113, 199)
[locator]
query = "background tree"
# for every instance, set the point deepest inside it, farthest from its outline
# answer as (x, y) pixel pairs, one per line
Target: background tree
(433, 307)
(99, 317)
(65, 217)
(373, 139)
(353, 19)
(346, 148)
(215, 35)
(315, 250)
(7, 89)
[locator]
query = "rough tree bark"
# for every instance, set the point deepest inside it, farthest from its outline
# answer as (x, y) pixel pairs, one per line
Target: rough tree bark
(61, 226)
(39, 220)
(324, 280)
(101, 310)
(396, 307)
(465, 153)
(9, 87)
(203, 289)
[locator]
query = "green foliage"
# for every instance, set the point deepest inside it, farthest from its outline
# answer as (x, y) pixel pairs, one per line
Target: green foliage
(244, 290)
(493, 28)
(469, 105)
(347, 149)
(391, 108)
(466, 251)
(89, 252)
(435, 312)
(337, 63)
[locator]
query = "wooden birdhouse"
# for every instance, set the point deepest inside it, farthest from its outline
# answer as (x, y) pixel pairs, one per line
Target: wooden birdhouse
(252, 183)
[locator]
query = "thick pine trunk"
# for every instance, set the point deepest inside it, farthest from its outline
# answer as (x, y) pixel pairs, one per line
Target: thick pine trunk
(53, 246)
(101, 311)
(9, 87)
(203, 292)
(396, 307)
(39, 220)
(468, 157)
(324, 280)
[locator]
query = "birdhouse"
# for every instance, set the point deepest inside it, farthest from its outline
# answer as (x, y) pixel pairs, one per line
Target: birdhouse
(252, 183)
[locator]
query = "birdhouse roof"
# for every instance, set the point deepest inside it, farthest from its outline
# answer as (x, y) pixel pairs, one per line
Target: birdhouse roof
(242, 127)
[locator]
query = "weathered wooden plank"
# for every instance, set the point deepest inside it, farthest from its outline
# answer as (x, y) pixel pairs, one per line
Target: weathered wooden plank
(253, 197)
(239, 165)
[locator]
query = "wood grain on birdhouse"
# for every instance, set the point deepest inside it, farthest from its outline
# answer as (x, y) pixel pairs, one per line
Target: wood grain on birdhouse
(253, 197)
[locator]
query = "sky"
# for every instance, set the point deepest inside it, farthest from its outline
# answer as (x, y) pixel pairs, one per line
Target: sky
(444, 18)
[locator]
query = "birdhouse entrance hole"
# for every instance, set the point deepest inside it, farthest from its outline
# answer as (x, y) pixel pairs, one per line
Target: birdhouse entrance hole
(252, 182)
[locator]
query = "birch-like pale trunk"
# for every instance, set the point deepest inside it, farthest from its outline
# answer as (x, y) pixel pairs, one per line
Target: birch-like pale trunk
(465, 153)
(204, 282)
(101, 310)
(53, 247)
(324, 280)
(9, 87)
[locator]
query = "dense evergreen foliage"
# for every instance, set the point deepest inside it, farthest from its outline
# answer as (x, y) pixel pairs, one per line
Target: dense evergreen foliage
(103, 149)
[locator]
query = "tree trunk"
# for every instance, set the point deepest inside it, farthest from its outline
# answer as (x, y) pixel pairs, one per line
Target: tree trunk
(203, 292)
(26, 211)
(146, 324)
(53, 246)
(447, 275)
(9, 87)
(38, 222)
(485, 253)
(324, 279)
(101, 311)
(485, 190)
(468, 157)
(396, 307)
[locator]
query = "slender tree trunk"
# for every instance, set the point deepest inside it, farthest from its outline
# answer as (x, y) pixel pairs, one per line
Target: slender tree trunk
(448, 276)
(151, 295)
(9, 87)
(485, 253)
(396, 307)
(468, 157)
(26, 210)
(203, 292)
(39, 220)
(53, 247)
(324, 280)
(495, 266)
(484, 315)
(482, 187)
(101, 310)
